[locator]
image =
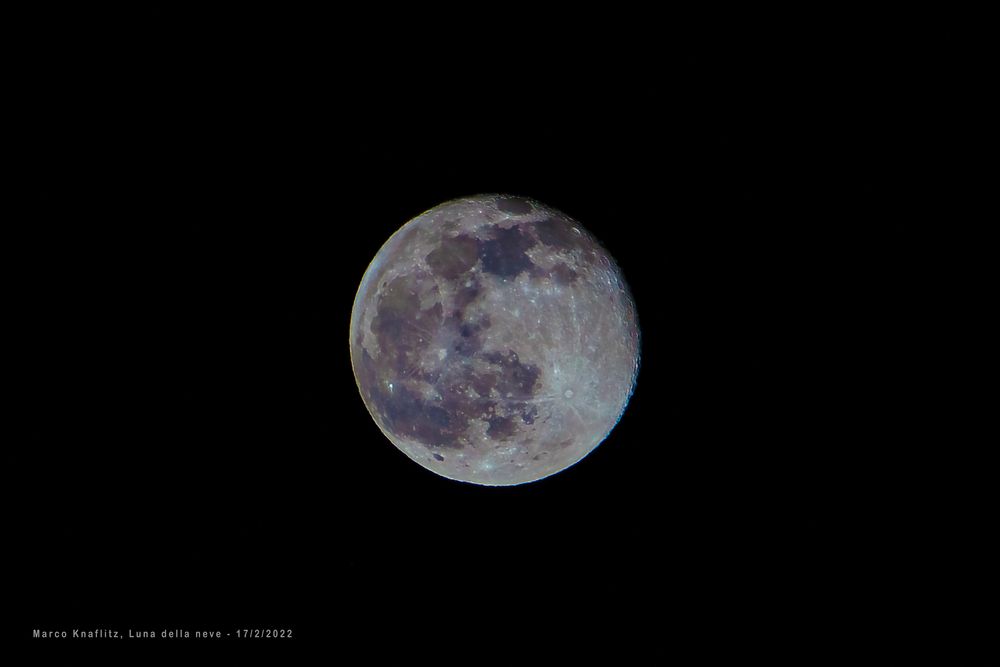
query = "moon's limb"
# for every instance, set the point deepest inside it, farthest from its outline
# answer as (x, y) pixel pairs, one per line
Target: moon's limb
(494, 340)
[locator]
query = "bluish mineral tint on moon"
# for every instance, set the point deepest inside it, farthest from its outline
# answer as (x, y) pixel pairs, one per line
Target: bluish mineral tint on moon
(494, 340)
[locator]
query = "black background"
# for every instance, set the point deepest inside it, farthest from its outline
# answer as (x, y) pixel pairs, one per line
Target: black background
(205, 194)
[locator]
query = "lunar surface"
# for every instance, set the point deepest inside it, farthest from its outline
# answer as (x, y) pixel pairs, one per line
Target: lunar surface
(494, 340)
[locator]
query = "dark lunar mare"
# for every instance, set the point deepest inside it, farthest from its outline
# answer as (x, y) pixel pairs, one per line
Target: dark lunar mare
(404, 332)
(504, 255)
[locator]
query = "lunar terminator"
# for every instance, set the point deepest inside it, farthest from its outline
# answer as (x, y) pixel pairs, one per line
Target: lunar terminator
(494, 340)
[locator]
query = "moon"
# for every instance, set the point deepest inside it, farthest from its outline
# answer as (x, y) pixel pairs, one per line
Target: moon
(494, 340)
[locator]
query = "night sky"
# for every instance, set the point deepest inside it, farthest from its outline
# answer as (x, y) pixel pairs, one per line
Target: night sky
(205, 195)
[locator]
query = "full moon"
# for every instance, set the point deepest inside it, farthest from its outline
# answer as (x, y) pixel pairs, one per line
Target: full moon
(494, 340)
